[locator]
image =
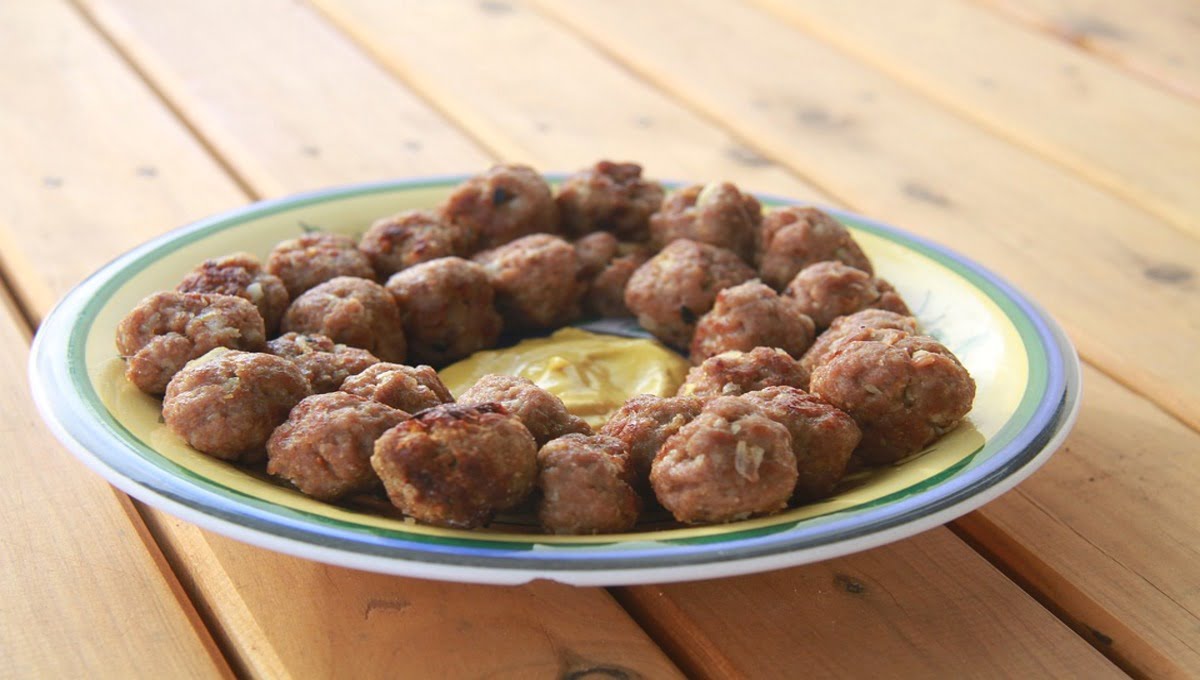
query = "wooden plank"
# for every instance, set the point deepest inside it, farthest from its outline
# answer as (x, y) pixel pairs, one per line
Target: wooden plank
(891, 153)
(1152, 38)
(1121, 133)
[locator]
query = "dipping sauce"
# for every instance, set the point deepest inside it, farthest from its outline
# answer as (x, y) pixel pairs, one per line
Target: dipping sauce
(592, 373)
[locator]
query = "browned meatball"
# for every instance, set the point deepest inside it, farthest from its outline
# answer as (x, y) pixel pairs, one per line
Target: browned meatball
(827, 290)
(240, 275)
(324, 447)
(823, 437)
(733, 373)
(611, 197)
(856, 326)
(643, 423)
(595, 251)
(228, 405)
(448, 309)
(904, 391)
(585, 486)
(606, 265)
(324, 363)
(716, 213)
(679, 285)
(315, 258)
(751, 315)
(166, 330)
(729, 463)
(536, 279)
(408, 388)
(794, 237)
(456, 466)
(351, 311)
(504, 203)
(543, 413)
(398, 242)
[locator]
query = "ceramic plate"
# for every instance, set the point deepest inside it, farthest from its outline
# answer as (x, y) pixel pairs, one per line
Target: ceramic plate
(1025, 368)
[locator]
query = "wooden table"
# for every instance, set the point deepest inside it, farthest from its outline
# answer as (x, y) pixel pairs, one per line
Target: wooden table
(1056, 141)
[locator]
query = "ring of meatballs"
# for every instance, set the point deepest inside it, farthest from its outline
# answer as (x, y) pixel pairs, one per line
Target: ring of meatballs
(717, 213)
(323, 362)
(240, 275)
(314, 258)
(585, 486)
(408, 388)
(351, 311)
(751, 315)
(827, 290)
(610, 197)
(501, 205)
(794, 237)
(396, 243)
(542, 413)
(536, 279)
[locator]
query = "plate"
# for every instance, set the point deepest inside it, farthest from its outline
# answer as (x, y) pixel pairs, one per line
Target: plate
(1025, 368)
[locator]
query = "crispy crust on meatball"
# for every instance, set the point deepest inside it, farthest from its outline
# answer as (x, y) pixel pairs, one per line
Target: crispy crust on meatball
(408, 388)
(611, 197)
(352, 311)
(827, 290)
(228, 405)
(794, 237)
(502, 204)
(455, 465)
(585, 488)
(729, 463)
(543, 413)
(448, 309)
(167, 330)
(240, 275)
(324, 363)
(823, 437)
(733, 373)
(644, 423)
(856, 326)
(414, 236)
(324, 448)
(673, 289)
(751, 315)
(536, 279)
(904, 391)
(315, 258)
(717, 213)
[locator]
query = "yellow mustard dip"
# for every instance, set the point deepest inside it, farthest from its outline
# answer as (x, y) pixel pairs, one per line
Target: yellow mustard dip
(592, 373)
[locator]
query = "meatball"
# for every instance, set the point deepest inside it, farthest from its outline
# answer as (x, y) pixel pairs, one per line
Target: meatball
(585, 486)
(351, 311)
(680, 284)
(643, 423)
(827, 290)
(324, 447)
(794, 237)
(856, 326)
(447, 307)
(456, 466)
(823, 437)
(903, 390)
(166, 330)
(543, 413)
(408, 388)
(751, 315)
(315, 258)
(729, 463)
(324, 363)
(536, 279)
(611, 197)
(606, 265)
(398, 242)
(595, 251)
(504, 203)
(733, 373)
(228, 405)
(241, 275)
(717, 214)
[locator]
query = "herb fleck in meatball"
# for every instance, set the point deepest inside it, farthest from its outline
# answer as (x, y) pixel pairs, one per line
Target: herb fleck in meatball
(504, 203)
(456, 466)
(536, 279)
(315, 258)
(240, 275)
(543, 413)
(717, 214)
(398, 242)
(827, 290)
(351, 311)
(324, 363)
(729, 463)
(324, 448)
(167, 330)
(228, 405)
(794, 237)
(733, 373)
(585, 486)
(409, 388)
(679, 285)
(904, 391)
(447, 306)
(644, 423)
(751, 315)
(857, 326)
(611, 197)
